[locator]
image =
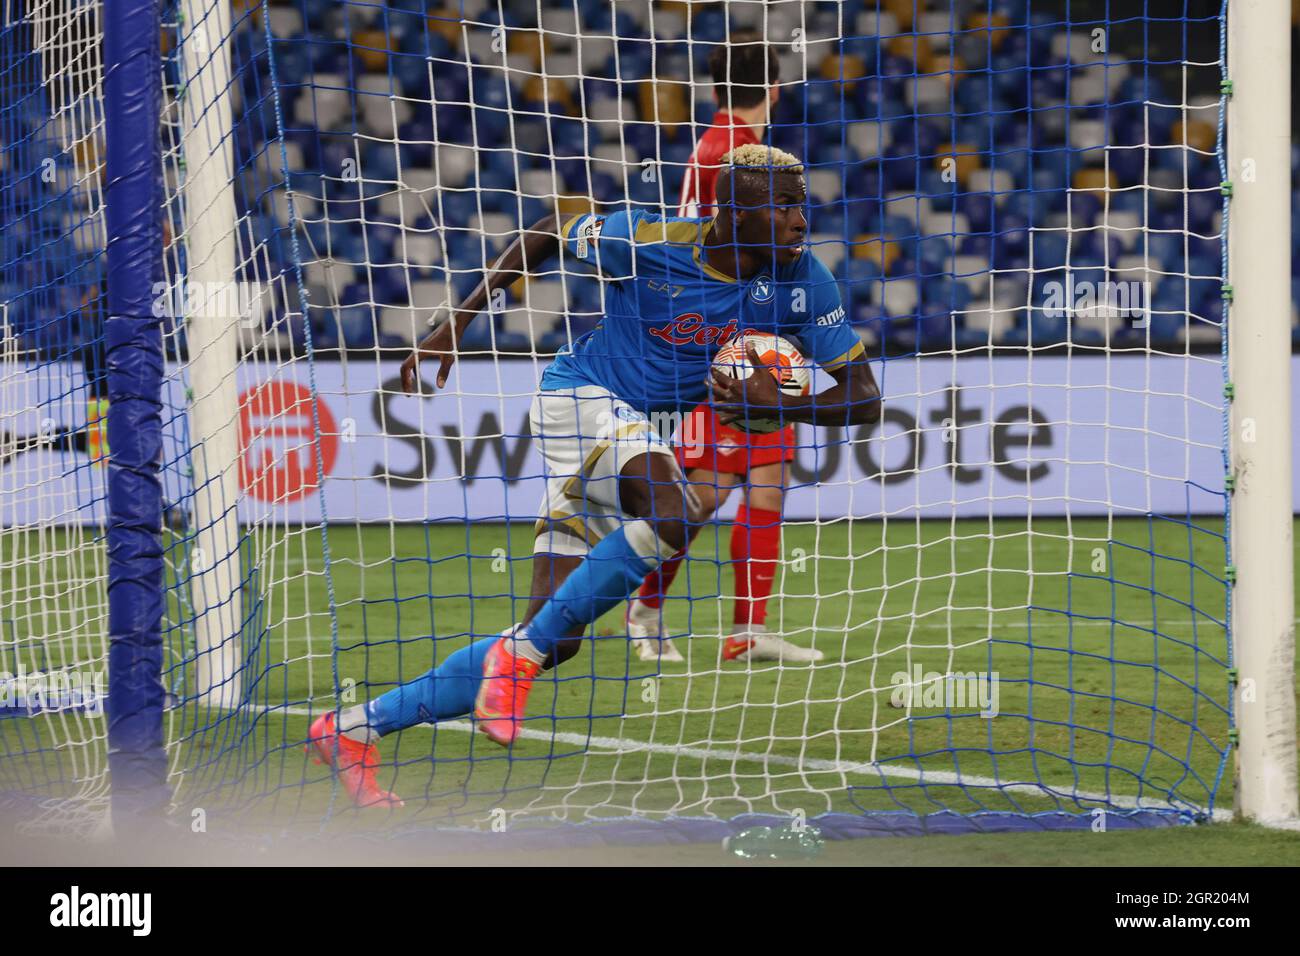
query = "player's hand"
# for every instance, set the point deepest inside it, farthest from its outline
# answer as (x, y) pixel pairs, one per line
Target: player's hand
(737, 398)
(440, 345)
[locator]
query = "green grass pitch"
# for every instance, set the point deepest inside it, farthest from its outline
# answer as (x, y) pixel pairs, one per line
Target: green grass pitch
(1107, 638)
(1135, 709)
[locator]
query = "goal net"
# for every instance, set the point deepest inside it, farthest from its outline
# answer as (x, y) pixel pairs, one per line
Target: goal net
(1018, 581)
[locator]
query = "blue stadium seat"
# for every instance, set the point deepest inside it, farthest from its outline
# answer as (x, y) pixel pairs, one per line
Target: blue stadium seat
(1202, 207)
(869, 319)
(292, 64)
(709, 26)
(1049, 249)
(934, 254)
(1129, 200)
(1205, 247)
(1166, 327)
(452, 80)
(1009, 246)
(1167, 250)
(945, 291)
(1043, 330)
(832, 219)
(379, 162)
(941, 193)
(478, 336)
(1128, 165)
(324, 329)
(1208, 287)
(809, 120)
(355, 325)
(978, 209)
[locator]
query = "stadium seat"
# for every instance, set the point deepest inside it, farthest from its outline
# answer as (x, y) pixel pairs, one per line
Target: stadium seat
(404, 323)
(455, 165)
(944, 291)
(368, 71)
(381, 112)
(330, 276)
(934, 254)
(941, 222)
(998, 182)
(869, 140)
(546, 299)
(829, 248)
(496, 229)
(824, 185)
(329, 104)
(900, 297)
(984, 325)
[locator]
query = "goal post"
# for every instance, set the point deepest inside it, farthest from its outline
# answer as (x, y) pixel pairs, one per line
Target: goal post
(1259, 143)
(133, 350)
(209, 239)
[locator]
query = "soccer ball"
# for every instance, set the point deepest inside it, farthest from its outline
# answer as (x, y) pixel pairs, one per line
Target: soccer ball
(779, 357)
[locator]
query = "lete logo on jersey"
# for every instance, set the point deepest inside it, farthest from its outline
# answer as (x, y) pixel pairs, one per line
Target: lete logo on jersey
(689, 328)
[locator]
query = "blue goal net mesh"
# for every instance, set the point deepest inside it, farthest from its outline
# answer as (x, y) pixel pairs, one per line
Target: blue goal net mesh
(1005, 602)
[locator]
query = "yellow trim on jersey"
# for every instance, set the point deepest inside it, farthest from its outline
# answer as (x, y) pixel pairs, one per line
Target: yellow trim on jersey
(682, 232)
(711, 272)
(707, 269)
(571, 523)
(627, 431)
(679, 233)
(564, 230)
(851, 355)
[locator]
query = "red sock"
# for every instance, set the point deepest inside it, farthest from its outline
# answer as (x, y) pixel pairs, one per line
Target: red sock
(755, 550)
(658, 581)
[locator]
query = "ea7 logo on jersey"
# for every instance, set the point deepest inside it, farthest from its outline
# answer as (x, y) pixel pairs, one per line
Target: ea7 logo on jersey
(672, 291)
(834, 317)
(589, 231)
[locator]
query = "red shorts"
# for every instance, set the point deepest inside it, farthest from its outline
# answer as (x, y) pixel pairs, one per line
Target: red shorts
(704, 442)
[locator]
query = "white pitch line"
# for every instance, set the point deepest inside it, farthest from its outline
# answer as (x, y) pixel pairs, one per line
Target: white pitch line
(898, 623)
(617, 746)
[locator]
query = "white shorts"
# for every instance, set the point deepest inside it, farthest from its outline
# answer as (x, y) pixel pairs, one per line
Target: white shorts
(587, 436)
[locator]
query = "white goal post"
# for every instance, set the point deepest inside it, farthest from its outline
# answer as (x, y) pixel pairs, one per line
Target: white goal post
(209, 239)
(1259, 272)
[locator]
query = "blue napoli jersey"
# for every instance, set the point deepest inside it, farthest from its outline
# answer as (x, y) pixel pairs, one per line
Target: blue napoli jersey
(667, 311)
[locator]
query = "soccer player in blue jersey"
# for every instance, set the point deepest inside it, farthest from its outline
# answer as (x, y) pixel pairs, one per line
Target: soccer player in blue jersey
(616, 503)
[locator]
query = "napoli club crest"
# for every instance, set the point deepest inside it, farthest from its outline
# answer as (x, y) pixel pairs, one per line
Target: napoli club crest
(761, 289)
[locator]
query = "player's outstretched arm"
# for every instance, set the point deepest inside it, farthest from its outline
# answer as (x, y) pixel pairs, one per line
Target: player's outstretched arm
(535, 246)
(854, 399)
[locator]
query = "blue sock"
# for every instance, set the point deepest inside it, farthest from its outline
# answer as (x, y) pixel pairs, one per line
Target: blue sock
(612, 570)
(445, 692)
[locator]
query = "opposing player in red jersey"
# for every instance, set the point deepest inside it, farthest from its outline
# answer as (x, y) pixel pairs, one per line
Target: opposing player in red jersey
(715, 457)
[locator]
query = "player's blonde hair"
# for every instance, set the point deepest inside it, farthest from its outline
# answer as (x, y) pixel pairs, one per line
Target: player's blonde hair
(758, 156)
